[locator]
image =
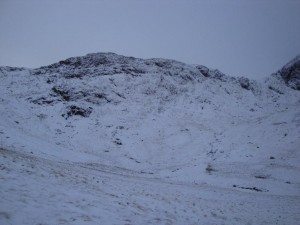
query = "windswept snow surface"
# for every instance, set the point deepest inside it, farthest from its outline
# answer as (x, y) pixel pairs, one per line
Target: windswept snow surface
(108, 139)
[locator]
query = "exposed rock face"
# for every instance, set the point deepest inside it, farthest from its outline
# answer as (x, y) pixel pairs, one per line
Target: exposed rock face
(291, 73)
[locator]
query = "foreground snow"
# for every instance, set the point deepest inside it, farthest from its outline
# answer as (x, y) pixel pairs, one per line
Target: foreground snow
(151, 142)
(41, 191)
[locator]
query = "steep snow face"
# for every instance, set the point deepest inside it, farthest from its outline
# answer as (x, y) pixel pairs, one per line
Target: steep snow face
(108, 139)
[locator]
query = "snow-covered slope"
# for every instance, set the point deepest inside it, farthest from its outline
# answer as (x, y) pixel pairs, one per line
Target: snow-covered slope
(109, 139)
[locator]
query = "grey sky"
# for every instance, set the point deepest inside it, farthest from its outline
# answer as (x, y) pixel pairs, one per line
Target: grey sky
(252, 38)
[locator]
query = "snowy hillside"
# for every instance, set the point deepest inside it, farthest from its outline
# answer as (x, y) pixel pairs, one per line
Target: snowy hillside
(109, 139)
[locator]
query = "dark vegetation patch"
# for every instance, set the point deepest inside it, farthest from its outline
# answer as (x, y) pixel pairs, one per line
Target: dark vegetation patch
(204, 70)
(72, 75)
(61, 92)
(42, 101)
(75, 62)
(102, 96)
(261, 176)
(118, 141)
(74, 110)
(73, 95)
(132, 70)
(251, 188)
(209, 169)
(11, 69)
(276, 90)
(163, 64)
(245, 83)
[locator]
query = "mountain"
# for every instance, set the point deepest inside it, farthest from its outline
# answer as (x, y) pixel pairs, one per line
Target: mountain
(110, 139)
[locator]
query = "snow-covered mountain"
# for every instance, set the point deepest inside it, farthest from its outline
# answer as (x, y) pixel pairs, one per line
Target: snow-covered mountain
(109, 139)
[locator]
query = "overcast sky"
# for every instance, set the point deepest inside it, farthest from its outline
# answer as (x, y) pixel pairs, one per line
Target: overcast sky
(252, 38)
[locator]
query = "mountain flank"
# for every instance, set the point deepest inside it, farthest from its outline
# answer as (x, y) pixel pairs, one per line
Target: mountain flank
(110, 139)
